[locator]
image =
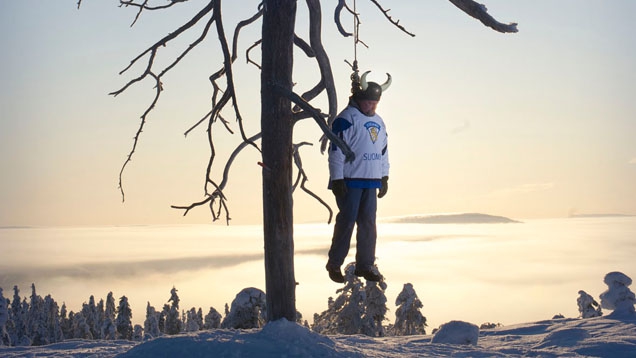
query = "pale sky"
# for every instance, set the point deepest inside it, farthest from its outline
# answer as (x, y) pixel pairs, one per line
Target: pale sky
(536, 124)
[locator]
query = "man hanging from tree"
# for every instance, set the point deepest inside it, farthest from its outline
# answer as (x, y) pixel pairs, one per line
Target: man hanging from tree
(355, 183)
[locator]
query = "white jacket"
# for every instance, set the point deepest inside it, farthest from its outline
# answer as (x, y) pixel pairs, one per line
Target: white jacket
(367, 138)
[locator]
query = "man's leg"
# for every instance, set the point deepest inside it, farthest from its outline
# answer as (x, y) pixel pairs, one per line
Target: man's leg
(348, 206)
(366, 236)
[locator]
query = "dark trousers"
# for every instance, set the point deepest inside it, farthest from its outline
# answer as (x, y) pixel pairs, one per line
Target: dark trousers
(356, 207)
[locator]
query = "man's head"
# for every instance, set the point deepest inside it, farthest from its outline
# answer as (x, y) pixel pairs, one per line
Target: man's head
(373, 92)
(369, 93)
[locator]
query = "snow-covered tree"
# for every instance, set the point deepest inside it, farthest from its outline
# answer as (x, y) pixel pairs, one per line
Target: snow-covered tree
(349, 305)
(36, 319)
(151, 324)
(191, 321)
(408, 318)
(138, 333)
(52, 321)
(172, 323)
(374, 309)
(100, 317)
(123, 321)
(299, 319)
(618, 296)
(162, 318)
(248, 310)
(588, 307)
(108, 328)
(89, 312)
(324, 321)
(200, 318)
(344, 314)
(18, 315)
(212, 319)
(5, 340)
(66, 323)
(81, 329)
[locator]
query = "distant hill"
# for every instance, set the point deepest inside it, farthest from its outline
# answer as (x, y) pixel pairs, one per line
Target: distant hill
(465, 218)
(610, 215)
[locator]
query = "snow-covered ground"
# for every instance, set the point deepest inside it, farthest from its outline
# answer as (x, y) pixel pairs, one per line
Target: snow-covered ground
(593, 337)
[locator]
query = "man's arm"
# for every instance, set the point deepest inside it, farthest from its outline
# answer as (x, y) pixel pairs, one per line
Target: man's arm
(336, 157)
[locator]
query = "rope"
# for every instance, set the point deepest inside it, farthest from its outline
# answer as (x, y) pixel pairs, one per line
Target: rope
(355, 78)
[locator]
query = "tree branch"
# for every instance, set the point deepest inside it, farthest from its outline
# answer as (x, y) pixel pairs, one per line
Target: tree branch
(342, 4)
(228, 69)
(247, 54)
(394, 22)
(144, 6)
(239, 26)
(158, 85)
(326, 75)
(152, 50)
(318, 117)
(480, 12)
(138, 134)
(303, 176)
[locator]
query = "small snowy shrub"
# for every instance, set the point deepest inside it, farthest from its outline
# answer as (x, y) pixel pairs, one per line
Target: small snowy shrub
(408, 318)
(138, 333)
(375, 309)
(588, 307)
(456, 332)
(192, 323)
(618, 296)
(490, 325)
(212, 319)
(151, 324)
(247, 310)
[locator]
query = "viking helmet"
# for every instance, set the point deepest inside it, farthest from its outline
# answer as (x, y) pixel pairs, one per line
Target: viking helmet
(371, 90)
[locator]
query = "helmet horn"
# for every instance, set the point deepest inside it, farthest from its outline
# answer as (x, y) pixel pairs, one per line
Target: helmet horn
(386, 84)
(363, 81)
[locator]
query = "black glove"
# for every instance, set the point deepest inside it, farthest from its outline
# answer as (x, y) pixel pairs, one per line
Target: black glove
(339, 187)
(384, 188)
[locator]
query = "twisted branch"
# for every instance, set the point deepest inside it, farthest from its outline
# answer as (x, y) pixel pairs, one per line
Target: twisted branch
(218, 192)
(342, 4)
(303, 176)
(326, 75)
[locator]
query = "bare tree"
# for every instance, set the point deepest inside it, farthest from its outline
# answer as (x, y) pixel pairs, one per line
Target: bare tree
(281, 109)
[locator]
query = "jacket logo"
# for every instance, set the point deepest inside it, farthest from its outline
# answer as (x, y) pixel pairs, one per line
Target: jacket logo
(373, 129)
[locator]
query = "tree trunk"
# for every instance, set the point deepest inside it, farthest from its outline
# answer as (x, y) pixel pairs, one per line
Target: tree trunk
(277, 127)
